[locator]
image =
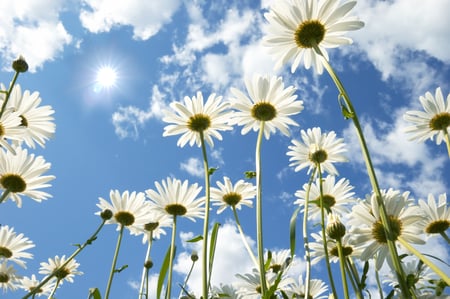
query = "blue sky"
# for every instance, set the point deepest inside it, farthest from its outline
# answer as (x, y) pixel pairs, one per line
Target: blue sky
(165, 50)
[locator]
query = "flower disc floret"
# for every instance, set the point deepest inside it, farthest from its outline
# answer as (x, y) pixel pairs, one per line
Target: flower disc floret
(264, 112)
(232, 195)
(13, 183)
(379, 231)
(176, 209)
(309, 33)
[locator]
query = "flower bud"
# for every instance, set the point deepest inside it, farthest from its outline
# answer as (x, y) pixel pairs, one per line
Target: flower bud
(335, 228)
(194, 256)
(148, 264)
(106, 214)
(20, 65)
(151, 226)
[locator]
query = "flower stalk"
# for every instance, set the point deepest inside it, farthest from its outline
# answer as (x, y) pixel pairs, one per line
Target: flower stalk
(244, 240)
(447, 140)
(171, 257)
(144, 277)
(114, 262)
(351, 113)
(305, 234)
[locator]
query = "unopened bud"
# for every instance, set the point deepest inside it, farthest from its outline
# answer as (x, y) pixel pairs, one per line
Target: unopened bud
(148, 264)
(335, 228)
(20, 65)
(106, 214)
(194, 256)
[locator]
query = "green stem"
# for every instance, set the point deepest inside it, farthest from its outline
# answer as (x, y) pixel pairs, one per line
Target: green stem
(4, 195)
(80, 248)
(186, 280)
(342, 267)
(325, 245)
(144, 277)
(380, 288)
(447, 141)
(354, 273)
(371, 172)
(305, 233)
(244, 240)
(8, 93)
(426, 261)
(113, 265)
(446, 238)
(54, 289)
(172, 256)
(259, 229)
(206, 220)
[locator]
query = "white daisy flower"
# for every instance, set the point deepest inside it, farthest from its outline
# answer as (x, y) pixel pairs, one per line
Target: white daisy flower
(224, 291)
(194, 117)
(155, 228)
(229, 195)
(318, 250)
(176, 198)
(317, 148)
(37, 120)
(281, 260)
(249, 286)
(11, 129)
(13, 247)
(128, 209)
(30, 283)
(66, 273)
(437, 214)
(317, 288)
(368, 230)
(22, 174)
(336, 197)
(267, 101)
(295, 26)
(8, 277)
(434, 121)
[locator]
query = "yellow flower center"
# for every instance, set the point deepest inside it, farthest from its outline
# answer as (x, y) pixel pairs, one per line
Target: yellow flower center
(13, 183)
(318, 156)
(199, 122)
(379, 234)
(264, 111)
(4, 278)
(346, 250)
(308, 33)
(440, 121)
(61, 273)
(5, 252)
(2, 130)
(125, 218)
(437, 227)
(276, 268)
(176, 209)
(23, 121)
(232, 198)
(328, 202)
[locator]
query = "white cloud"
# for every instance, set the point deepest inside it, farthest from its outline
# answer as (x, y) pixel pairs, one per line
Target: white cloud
(146, 17)
(127, 120)
(421, 172)
(32, 28)
(193, 166)
(398, 33)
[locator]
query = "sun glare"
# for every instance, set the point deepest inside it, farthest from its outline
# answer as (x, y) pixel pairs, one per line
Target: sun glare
(106, 77)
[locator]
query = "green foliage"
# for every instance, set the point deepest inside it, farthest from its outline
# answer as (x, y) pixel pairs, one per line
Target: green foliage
(163, 273)
(94, 293)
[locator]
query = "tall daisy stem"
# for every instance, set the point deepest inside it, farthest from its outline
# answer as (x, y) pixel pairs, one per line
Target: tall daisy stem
(350, 112)
(54, 289)
(259, 221)
(446, 238)
(8, 93)
(171, 257)
(426, 261)
(305, 233)
(325, 245)
(353, 273)
(342, 267)
(447, 140)
(144, 277)
(80, 248)
(114, 262)
(4, 195)
(244, 240)
(206, 220)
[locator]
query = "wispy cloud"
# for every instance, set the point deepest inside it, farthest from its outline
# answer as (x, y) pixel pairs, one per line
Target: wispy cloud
(128, 120)
(193, 166)
(145, 17)
(33, 29)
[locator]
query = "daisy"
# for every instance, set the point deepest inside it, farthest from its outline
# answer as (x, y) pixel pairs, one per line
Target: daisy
(224, 291)
(155, 228)
(176, 198)
(437, 214)
(318, 250)
(280, 260)
(8, 277)
(10, 129)
(368, 229)
(249, 286)
(22, 174)
(296, 26)
(268, 101)
(317, 148)
(30, 283)
(13, 247)
(130, 210)
(233, 196)
(195, 119)
(336, 196)
(317, 289)
(434, 121)
(66, 273)
(37, 120)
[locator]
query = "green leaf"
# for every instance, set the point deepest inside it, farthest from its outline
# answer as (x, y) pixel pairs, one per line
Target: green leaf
(250, 174)
(292, 229)
(94, 293)
(212, 248)
(195, 239)
(212, 170)
(163, 273)
(121, 269)
(269, 260)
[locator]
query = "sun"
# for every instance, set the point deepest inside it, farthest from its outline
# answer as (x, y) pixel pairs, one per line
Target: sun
(106, 77)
